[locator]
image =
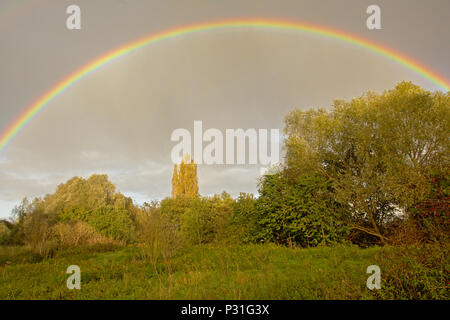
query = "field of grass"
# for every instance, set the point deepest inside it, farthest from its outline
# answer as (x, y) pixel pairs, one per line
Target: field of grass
(199, 272)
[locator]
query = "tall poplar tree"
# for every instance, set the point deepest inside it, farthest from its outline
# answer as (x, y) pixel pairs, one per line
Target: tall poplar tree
(184, 179)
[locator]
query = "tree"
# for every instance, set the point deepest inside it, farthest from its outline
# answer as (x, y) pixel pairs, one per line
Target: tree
(184, 179)
(205, 219)
(112, 222)
(37, 227)
(5, 232)
(377, 150)
(301, 212)
(243, 226)
(175, 182)
(94, 201)
(86, 195)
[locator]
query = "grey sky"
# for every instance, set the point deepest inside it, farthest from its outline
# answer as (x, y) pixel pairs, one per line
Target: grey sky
(118, 120)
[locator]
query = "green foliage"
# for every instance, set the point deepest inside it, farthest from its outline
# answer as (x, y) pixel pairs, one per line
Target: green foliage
(429, 219)
(76, 233)
(243, 226)
(303, 213)
(108, 220)
(377, 150)
(203, 221)
(198, 222)
(112, 222)
(94, 201)
(75, 214)
(37, 229)
(158, 238)
(199, 219)
(414, 272)
(86, 194)
(173, 209)
(4, 233)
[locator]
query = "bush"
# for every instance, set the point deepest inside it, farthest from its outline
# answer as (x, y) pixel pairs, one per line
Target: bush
(414, 272)
(75, 233)
(37, 231)
(243, 224)
(112, 222)
(158, 238)
(301, 212)
(4, 234)
(428, 220)
(174, 209)
(199, 219)
(205, 220)
(197, 222)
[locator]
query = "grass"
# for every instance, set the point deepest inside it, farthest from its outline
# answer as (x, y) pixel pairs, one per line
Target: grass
(199, 272)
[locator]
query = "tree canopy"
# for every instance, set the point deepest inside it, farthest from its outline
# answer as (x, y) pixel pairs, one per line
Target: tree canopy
(378, 150)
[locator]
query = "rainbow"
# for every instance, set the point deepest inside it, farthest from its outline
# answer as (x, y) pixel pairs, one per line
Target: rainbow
(60, 87)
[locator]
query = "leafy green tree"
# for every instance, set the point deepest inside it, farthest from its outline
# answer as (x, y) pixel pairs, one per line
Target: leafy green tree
(5, 233)
(197, 222)
(300, 213)
(205, 219)
(36, 227)
(243, 226)
(378, 151)
(80, 195)
(94, 201)
(174, 209)
(199, 219)
(184, 179)
(113, 222)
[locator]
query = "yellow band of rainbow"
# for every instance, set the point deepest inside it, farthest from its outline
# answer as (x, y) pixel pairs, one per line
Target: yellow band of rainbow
(45, 99)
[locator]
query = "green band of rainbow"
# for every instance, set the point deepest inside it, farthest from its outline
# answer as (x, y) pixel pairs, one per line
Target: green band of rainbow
(45, 99)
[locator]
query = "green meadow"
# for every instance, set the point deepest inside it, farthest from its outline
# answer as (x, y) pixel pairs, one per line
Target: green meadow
(224, 272)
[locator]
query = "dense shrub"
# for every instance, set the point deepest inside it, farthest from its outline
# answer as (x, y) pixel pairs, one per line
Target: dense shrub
(414, 272)
(5, 233)
(37, 231)
(428, 220)
(303, 213)
(243, 226)
(174, 209)
(109, 221)
(112, 222)
(158, 237)
(199, 219)
(204, 221)
(75, 233)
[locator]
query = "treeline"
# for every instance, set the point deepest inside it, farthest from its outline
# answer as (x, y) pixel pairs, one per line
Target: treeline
(373, 170)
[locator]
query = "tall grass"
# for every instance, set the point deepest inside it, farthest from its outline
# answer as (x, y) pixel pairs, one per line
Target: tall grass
(199, 272)
(226, 272)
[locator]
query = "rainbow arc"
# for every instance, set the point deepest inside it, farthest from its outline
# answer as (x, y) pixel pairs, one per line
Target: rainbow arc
(76, 76)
